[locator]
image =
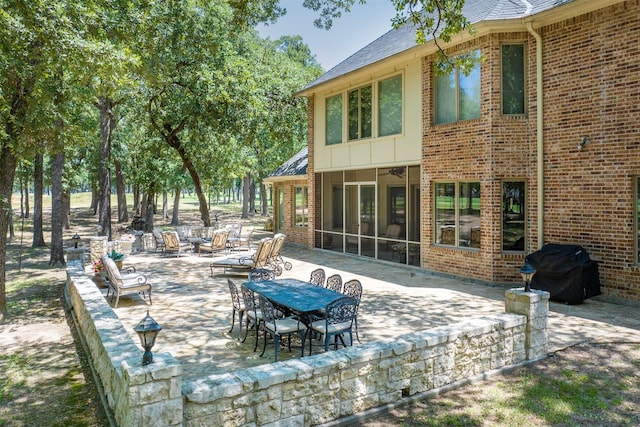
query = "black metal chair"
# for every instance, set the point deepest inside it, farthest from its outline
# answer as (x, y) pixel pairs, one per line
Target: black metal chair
(261, 274)
(278, 326)
(338, 320)
(255, 318)
(334, 283)
(353, 288)
(238, 306)
(317, 277)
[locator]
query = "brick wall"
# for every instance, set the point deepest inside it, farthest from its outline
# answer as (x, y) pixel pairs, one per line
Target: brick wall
(591, 68)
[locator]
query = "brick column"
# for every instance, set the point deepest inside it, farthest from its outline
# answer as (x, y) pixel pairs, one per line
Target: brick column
(535, 306)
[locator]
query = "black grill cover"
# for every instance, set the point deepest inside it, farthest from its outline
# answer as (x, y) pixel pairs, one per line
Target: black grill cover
(566, 272)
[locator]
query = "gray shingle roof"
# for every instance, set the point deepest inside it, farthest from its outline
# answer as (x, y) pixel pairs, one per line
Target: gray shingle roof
(296, 165)
(403, 39)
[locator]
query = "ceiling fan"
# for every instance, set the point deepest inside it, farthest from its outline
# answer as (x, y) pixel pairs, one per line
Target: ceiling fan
(397, 171)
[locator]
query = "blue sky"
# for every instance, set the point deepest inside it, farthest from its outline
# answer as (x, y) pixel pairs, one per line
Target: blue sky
(349, 33)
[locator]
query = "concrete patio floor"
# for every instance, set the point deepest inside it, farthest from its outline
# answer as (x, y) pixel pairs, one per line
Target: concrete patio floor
(194, 309)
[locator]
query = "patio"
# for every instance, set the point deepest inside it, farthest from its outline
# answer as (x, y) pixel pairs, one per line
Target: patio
(194, 309)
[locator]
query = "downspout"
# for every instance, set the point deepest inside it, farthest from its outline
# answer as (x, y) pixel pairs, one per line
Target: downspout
(539, 133)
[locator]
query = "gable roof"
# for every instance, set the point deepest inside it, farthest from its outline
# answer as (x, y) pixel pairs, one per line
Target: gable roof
(403, 39)
(295, 166)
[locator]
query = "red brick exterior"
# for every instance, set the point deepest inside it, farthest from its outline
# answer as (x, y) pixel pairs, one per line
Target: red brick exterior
(591, 87)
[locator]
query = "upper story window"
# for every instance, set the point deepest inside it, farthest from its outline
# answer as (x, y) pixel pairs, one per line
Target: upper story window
(390, 106)
(457, 96)
(513, 76)
(360, 111)
(333, 118)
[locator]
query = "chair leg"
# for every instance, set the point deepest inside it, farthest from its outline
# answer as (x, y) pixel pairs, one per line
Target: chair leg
(255, 348)
(357, 336)
(264, 346)
(276, 342)
(233, 320)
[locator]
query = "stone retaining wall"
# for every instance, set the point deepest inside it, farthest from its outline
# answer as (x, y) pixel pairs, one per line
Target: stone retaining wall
(308, 391)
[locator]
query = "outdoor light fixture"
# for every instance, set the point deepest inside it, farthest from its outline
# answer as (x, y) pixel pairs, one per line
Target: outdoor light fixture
(527, 274)
(147, 330)
(585, 141)
(75, 239)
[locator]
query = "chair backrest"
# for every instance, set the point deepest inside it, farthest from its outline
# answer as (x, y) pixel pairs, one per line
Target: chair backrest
(261, 274)
(261, 256)
(394, 231)
(269, 313)
(342, 310)
(234, 230)
(317, 277)
(278, 242)
(184, 232)
(157, 234)
(235, 295)
(219, 239)
(353, 288)
(113, 273)
(171, 239)
(334, 283)
(247, 232)
(249, 299)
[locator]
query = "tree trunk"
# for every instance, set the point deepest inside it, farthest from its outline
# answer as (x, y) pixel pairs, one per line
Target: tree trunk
(136, 200)
(165, 205)
(95, 203)
(66, 209)
(123, 214)
(173, 141)
(246, 180)
(38, 174)
(264, 208)
(176, 207)
(57, 246)
(8, 164)
(252, 194)
(105, 105)
(149, 209)
(27, 210)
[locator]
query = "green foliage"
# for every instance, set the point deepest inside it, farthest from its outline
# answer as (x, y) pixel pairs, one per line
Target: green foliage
(116, 256)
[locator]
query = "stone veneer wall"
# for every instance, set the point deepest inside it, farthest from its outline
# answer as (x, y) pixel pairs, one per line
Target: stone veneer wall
(137, 395)
(308, 391)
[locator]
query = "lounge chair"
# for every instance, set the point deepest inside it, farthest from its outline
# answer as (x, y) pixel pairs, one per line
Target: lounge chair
(275, 260)
(245, 262)
(217, 244)
(157, 236)
(172, 243)
(127, 283)
(242, 242)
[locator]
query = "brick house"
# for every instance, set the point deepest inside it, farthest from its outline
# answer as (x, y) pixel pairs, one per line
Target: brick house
(467, 174)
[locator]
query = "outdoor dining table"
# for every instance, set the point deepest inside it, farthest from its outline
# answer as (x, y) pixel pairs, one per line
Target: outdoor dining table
(300, 297)
(296, 295)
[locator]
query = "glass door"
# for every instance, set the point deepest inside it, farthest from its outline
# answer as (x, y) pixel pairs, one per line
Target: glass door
(360, 218)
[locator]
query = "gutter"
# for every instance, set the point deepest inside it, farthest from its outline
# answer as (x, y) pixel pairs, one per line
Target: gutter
(539, 133)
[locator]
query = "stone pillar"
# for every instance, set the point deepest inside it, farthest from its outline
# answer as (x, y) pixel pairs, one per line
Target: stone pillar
(535, 306)
(74, 254)
(153, 393)
(97, 247)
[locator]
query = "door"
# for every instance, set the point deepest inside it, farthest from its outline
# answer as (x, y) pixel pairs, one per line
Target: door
(360, 218)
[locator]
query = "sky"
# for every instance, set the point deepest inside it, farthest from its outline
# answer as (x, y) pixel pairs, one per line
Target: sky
(349, 33)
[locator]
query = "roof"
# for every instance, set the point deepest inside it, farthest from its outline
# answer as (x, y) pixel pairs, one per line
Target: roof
(295, 166)
(403, 39)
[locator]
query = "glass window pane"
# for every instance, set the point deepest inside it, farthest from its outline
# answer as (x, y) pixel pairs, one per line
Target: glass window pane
(513, 216)
(445, 98)
(353, 114)
(301, 211)
(445, 211)
(469, 214)
(513, 79)
(366, 112)
(280, 209)
(334, 120)
(390, 106)
(469, 94)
